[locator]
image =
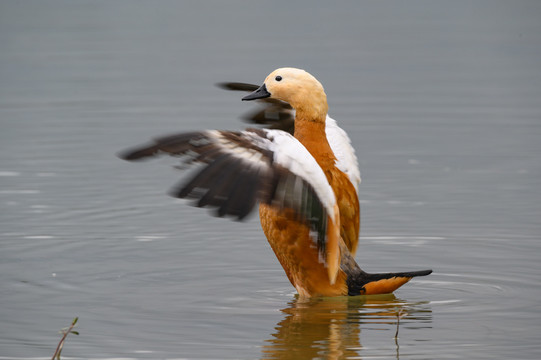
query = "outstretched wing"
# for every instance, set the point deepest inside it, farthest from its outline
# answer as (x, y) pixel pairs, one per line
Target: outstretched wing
(241, 168)
(272, 113)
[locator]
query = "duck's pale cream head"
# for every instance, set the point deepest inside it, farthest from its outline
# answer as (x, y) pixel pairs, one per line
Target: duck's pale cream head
(296, 87)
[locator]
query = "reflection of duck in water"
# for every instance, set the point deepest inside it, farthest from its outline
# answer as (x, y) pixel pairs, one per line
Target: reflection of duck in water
(306, 183)
(330, 328)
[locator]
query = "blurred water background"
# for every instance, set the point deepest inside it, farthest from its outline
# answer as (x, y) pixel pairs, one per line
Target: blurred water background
(442, 101)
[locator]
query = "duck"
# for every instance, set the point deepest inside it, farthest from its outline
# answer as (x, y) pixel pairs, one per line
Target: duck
(301, 170)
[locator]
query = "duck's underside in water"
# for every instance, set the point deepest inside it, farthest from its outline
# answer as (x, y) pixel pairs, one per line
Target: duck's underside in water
(302, 171)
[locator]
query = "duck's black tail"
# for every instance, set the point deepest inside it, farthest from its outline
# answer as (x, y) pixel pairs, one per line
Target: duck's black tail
(364, 283)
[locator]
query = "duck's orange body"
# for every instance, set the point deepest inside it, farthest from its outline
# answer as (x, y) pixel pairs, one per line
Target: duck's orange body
(289, 238)
(312, 135)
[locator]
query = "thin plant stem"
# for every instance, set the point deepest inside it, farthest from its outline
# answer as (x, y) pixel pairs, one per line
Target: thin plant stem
(66, 331)
(399, 315)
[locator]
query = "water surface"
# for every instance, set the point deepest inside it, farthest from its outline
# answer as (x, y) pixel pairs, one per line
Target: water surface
(441, 100)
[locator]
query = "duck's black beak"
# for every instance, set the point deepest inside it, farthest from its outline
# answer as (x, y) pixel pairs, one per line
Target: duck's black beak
(259, 93)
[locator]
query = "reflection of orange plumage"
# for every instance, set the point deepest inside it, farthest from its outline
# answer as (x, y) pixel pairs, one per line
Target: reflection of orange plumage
(331, 328)
(306, 185)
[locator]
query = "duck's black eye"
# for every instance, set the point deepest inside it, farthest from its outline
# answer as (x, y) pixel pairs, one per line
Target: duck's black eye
(278, 78)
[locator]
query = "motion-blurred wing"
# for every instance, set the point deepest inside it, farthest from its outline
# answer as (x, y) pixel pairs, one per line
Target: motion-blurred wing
(241, 168)
(271, 113)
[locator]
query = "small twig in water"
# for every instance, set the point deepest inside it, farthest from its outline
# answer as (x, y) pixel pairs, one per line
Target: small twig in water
(65, 331)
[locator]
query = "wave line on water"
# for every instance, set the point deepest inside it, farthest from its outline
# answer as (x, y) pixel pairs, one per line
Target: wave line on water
(10, 173)
(19, 191)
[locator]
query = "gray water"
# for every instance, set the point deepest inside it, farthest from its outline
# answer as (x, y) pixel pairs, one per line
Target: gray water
(442, 101)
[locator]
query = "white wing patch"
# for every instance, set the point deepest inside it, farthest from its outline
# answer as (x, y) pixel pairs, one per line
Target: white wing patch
(291, 154)
(346, 161)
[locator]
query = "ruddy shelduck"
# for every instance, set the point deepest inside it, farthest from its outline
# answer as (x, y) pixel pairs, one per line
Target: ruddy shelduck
(305, 178)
